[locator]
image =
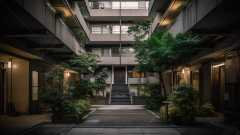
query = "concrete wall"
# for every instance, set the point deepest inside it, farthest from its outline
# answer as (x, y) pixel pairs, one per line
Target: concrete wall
(20, 85)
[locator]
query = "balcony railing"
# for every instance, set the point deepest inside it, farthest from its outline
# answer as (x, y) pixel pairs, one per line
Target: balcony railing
(110, 7)
(109, 32)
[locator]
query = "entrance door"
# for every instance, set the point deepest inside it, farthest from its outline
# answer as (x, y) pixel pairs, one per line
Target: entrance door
(119, 75)
(218, 88)
(1, 89)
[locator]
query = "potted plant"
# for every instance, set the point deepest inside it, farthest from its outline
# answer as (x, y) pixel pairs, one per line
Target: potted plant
(184, 97)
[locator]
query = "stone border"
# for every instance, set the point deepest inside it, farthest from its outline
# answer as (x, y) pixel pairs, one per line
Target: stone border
(151, 112)
(90, 113)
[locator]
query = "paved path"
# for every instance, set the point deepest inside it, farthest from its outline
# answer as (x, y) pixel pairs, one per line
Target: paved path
(122, 119)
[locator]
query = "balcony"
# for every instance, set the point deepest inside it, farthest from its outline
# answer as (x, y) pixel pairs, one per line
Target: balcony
(44, 13)
(135, 80)
(128, 59)
(108, 81)
(112, 59)
(198, 15)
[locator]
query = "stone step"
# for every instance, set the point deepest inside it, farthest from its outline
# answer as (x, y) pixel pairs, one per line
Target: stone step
(121, 100)
(120, 103)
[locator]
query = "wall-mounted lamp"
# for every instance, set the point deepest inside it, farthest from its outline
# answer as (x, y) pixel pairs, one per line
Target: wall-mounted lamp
(9, 63)
(68, 74)
(219, 65)
(183, 71)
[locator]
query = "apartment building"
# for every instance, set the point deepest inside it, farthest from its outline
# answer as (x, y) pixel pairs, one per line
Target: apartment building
(33, 40)
(215, 63)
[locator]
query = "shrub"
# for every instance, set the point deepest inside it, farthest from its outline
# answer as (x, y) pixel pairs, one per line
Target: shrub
(88, 24)
(172, 110)
(154, 102)
(207, 110)
(184, 97)
(63, 100)
(81, 33)
(60, 13)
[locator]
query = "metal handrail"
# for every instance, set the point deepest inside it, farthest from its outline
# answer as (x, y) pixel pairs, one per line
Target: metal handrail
(129, 89)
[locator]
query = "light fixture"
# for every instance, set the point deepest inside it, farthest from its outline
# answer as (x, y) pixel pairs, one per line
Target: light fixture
(68, 74)
(219, 65)
(9, 64)
(107, 26)
(183, 71)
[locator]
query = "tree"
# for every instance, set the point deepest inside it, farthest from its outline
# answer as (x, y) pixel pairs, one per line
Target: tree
(84, 62)
(146, 50)
(161, 51)
(100, 81)
(180, 49)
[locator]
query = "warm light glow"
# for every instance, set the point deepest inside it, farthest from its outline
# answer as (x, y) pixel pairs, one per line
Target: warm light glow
(9, 64)
(131, 50)
(68, 74)
(183, 71)
(218, 65)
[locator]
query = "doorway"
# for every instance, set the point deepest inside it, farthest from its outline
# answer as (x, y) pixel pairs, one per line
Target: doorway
(119, 75)
(218, 92)
(2, 88)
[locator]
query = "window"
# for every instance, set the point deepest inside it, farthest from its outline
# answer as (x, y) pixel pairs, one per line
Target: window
(107, 29)
(97, 51)
(96, 30)
(135, 74)
(124, 29)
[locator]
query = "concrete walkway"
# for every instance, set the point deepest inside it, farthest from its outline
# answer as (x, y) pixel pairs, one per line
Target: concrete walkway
(14, 125)
(108, 119)
(122, 119)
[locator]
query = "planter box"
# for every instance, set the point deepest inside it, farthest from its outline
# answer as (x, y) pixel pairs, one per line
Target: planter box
(138, 100)
(65, 119)
(100, 101)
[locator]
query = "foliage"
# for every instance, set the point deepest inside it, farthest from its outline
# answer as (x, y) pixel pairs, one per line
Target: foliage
(177, 51)
(80, 5)
(84, 62)
(170, 25)
(60, 13)
(61, 99)
(207, 110)
(172, 110)
(151, 88)
(154, 102)
(184, 97)
(87, 24)
(82, 44)
(81, 33)
(184, 5)
(139, 30)
(100, 81)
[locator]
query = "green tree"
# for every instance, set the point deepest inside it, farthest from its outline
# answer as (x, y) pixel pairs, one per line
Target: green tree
(100, 81)
(161, 51)
(179, 50)
(84, 62)
(146, 50)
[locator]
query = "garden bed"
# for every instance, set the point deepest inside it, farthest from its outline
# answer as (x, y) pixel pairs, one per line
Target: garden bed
(138, 100)
(100, 100)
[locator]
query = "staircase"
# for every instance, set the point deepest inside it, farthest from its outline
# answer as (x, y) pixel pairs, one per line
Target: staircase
(120, 95)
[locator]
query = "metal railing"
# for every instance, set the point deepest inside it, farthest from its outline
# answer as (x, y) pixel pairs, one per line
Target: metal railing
(111, 7)
(129, 89)
(109, 32)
